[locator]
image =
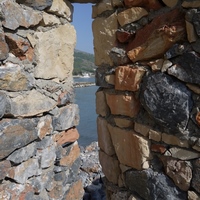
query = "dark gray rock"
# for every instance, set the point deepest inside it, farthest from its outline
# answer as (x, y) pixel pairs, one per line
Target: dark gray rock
(38, 5)
(4, 104)
(16, 133)
(67, 118)
(151, 185)
(101, 72)
(196, 22)
(196, 45)
(196, 175)
(167, 100)
(186, 68)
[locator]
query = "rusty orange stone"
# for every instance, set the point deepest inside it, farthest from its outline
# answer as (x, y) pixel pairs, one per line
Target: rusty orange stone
(158, 148)
(198, 118)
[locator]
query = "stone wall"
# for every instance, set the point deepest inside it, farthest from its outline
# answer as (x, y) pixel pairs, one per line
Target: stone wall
(148, 101)
(39, 154)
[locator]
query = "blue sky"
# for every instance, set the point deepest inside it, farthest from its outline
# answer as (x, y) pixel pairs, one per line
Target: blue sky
(82, 21)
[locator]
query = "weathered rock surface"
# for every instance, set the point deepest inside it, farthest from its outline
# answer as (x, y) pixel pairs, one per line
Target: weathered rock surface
(15, 15)
(186, 68)
(3, 47)
(59, 46)
(157, 32)
(163, 100)
(179, 171)
(4, 104)
(16, 133)
(150, 185)
(196, 175)
(135, 147)
(4, 169)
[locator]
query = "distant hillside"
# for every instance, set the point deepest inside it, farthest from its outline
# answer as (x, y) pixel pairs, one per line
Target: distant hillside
(83, 63)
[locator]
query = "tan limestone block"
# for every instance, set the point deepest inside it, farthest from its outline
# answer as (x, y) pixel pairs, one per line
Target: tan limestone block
(117, 3)
(71, 157)
(193, 196)
(191, 4)
(110, 79)
(70, 135)
(134, 197)
(173, 140)
(110, 167)
(156, 65)
(166, 65)
(158, 148)
(191, 34)
(183, 154)
(170, 3)
(58, 62)
(101, 106)
(104, 31)
(124, 168)
(104, 138)
(121, 182)
(49, 20)
(194, 88)
(131, 15)
(155, 135)
(179, 171)
(121, 104)
(142, 129)
(76, 191)
(62, 8)
(123, 122)
(128, 78)
(132, 150)
(156, 38)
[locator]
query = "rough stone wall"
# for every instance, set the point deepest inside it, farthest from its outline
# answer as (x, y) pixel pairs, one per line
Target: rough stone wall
(147, 54)
(39, 154)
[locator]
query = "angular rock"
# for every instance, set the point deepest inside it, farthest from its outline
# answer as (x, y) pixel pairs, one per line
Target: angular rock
(4, 104)
(68, 136)
(169, 3)
(16, 15)
(191, 4)
(36, 4)
(49, 20)
(163, 100)
(62, 8)
(179, 171)
(196, 175)
(196, 45)
(191, 34)
(156, 38)
(128, 78)
(31, 103)
(67, 117)
(186, 68)
(152, 185)
(57, 192)
(124, 36)
(16, 133)
(123, 122)
(14, 78)
(104, 137)
(193, 196)
(66, 97)
(58, 63)
(110, 79)
(131, 15)
(142, 129)
(25, 170)
(45, 126)
(158, 148)
(76, 191)
(156, 65)
(4, 49)
(120, 104)
(110, 167)
(23, 154)
(154, 4)
(155, 135)
(174, 140)
(101, 106)
(104, 38)
(5, 166)
(183, 154)
(131, 149)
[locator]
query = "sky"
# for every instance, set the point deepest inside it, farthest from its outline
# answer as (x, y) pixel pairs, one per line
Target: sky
(82, 21)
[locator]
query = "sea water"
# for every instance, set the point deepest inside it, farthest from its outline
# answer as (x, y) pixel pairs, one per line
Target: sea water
(85, 98)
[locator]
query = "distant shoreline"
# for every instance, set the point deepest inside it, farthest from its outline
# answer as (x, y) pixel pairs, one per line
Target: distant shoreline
(83, 84)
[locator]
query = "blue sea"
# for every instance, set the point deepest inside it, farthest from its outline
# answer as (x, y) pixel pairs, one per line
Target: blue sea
(85, 98)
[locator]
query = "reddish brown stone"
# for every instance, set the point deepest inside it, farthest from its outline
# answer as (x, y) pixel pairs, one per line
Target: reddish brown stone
(26, 193)
(76, 191)
(156, 38)
(158, 148)
(128, 78)
(45, 127)
(148, 4)
(71, 157)
(70, 135)
(124, 36)
(198, 118)
(4, 50)
(19, 47)
(4, 168)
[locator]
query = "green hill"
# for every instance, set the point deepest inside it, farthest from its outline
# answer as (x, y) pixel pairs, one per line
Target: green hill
(83, 63)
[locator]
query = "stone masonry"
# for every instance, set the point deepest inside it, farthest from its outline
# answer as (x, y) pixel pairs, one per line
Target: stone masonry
(148, 100)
